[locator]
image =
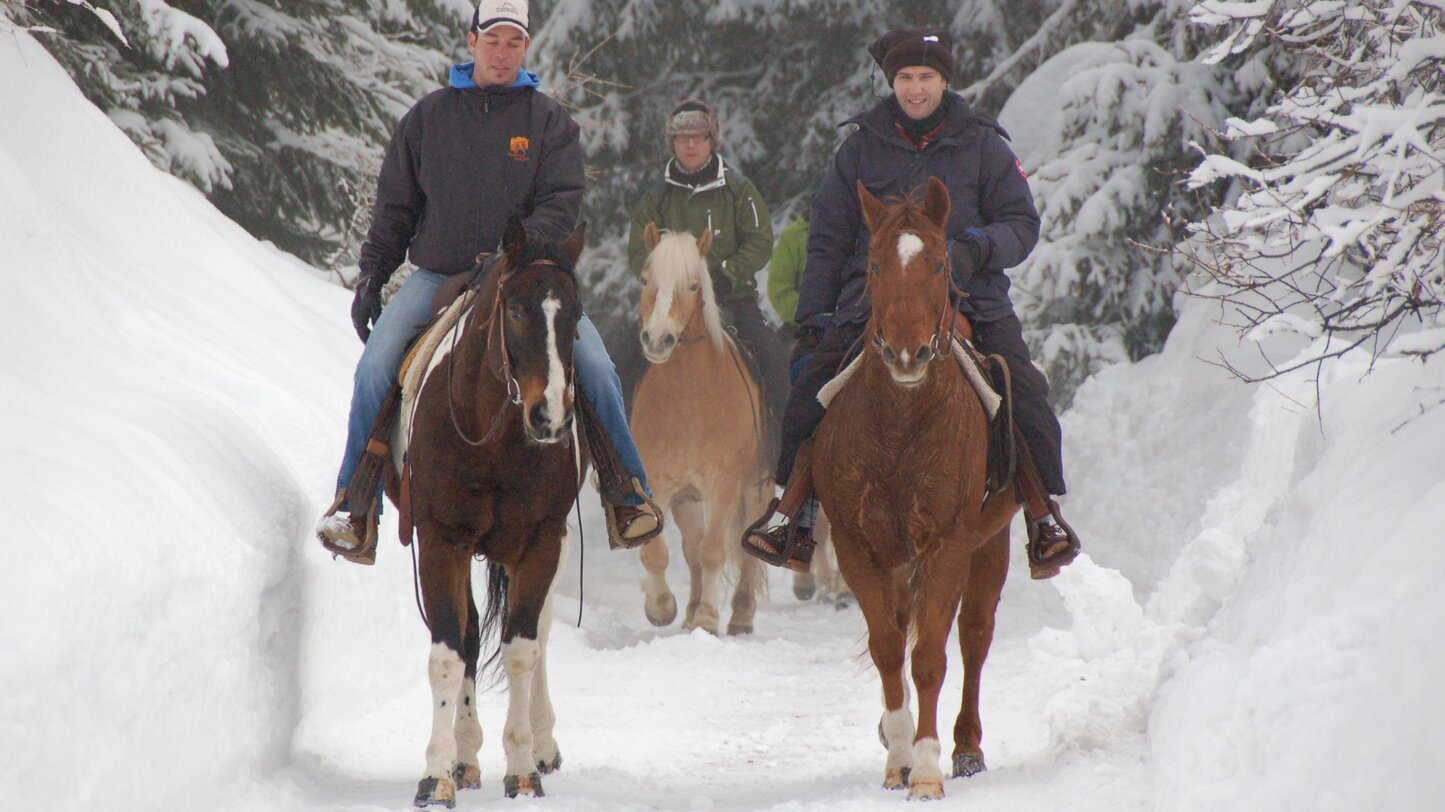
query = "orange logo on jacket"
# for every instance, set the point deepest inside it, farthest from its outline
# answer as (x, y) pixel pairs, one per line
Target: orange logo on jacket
(519, 148)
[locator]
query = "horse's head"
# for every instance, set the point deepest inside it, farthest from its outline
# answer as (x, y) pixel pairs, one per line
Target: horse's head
(908, 278)
(539, 309)
(676, 291)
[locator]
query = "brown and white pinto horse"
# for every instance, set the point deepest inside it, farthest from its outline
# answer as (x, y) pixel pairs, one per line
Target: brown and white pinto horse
(698, 422)
(488, 479)
(899, 464)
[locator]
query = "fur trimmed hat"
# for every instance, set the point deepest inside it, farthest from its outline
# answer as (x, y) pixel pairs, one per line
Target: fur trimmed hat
(691, 116)
(909, 47)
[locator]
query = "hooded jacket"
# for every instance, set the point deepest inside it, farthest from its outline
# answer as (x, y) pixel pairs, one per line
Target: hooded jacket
(991, 204)
(727, 203)
(460, 162)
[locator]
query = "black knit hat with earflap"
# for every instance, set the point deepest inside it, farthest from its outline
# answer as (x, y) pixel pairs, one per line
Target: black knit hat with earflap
(910, 47)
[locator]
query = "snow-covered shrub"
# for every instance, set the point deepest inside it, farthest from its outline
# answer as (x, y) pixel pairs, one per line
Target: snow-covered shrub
(1338, 233)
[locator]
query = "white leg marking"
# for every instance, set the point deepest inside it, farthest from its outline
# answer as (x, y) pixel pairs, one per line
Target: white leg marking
(898, 730)
(925, 761)
(468, 729)
(543, 717)
(556, 375)
(908, 247)
(519, 658)
(446, 672)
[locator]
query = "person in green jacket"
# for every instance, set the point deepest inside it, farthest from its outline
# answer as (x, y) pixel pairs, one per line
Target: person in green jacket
(700, 190)
(785, 272)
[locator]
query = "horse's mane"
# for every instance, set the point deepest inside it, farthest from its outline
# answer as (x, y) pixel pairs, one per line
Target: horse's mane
(676, 264)
(548, 251)
(904, 214)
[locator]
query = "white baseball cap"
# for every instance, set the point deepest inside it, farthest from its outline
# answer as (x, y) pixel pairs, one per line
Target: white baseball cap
(493, 13)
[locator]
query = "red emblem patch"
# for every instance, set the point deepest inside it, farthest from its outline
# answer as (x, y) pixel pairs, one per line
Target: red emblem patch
(519, 148)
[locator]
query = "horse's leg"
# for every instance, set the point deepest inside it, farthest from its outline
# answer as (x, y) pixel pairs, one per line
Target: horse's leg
(544, 718)
(975, 635)
(885, 609)
(530, 579)
(713, 553)
(941, 576)
(750, 569)
(690, 515)
(658, 603)
(467, 774)
(445, 570)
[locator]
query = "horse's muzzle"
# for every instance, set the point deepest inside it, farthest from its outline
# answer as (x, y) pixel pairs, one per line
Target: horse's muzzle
(541, 428)
(657, 348)
(907, 368)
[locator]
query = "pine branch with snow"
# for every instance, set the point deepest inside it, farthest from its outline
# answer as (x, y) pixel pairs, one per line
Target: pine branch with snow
(1339, 232)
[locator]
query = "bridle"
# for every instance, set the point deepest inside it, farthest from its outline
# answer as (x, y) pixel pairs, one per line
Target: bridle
(943, 328)
(502, 366)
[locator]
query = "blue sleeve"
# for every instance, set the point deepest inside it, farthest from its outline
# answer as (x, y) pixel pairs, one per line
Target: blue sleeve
(1011, 223)
(834, 225)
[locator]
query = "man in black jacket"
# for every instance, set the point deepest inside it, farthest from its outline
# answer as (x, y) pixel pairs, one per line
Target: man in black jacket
(920, 131)
(462, 161)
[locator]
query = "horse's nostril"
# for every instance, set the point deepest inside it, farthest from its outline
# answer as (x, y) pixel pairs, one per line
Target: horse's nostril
(669, 340)
(646, 337)
(539, 415)
(924, 354)
(889, 355)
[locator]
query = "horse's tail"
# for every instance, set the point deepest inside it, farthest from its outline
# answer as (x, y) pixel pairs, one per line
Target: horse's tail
(491, 623)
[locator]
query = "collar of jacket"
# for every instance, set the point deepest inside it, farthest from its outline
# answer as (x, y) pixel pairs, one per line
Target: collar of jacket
(707, 186)
(954, 130)
(461, 78)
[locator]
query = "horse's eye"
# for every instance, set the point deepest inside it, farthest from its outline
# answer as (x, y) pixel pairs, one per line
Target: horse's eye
(694, 287)
(873, 268)
(514, 313)
(939, 269)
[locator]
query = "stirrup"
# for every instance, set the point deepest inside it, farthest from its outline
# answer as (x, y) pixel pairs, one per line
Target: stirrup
(784, 545)
(358, 531)
(1045, 564)
(615, 539)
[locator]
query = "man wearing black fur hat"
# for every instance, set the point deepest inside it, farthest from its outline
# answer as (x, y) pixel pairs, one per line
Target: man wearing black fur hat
(920, 131)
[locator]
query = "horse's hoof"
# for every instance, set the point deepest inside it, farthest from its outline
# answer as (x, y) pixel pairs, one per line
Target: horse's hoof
(926, 790)
(740, 628)
(436, 792)
(549, 767)
(467, 776)
(805, 590)
(663, 615)
(967, 764)
(896, 778)
(530, 784)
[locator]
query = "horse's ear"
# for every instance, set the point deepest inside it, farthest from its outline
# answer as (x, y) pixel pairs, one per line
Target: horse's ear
(936, 204)
(573, 244)
(704, 243)
(514, 240)
(873, 208)
(651, 236)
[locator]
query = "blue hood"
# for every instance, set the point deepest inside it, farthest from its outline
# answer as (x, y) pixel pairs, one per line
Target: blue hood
(462, 77)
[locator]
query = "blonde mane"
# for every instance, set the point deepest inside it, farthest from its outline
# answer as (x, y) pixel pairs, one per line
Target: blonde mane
(676, 264)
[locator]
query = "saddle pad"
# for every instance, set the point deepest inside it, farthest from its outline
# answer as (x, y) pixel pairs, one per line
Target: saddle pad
(976, 377)
(414, 367)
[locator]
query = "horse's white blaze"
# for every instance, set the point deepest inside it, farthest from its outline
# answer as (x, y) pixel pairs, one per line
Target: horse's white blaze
(446, 673)
(926, 754)
(898, 730)
(661, 320)
(676, 267)
(519, 658)
(908, 247)
(556, 375)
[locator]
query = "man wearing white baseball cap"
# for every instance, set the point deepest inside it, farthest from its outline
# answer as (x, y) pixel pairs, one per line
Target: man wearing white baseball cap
(461, 162)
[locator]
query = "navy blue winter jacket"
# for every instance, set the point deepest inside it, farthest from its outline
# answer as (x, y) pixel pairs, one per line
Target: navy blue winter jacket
(988, 189)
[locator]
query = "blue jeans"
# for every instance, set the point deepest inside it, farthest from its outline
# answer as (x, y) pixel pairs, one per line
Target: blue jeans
(408, 309)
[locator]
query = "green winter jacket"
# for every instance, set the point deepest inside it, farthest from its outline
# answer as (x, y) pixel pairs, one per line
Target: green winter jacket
(786, 269)
(742, 235)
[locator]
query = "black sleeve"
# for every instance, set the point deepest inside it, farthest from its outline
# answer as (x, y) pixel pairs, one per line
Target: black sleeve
(560, 180)
(399, 202)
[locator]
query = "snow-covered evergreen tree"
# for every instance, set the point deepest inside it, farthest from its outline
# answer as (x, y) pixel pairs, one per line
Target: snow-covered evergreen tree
(1339, 235)
(272, 108)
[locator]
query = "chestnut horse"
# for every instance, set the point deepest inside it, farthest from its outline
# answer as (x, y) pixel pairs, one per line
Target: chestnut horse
(486, 479)
(899, 465)
(697, 418)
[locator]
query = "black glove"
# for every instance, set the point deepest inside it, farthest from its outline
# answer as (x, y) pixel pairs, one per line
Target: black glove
(967, 257)
(366, 307)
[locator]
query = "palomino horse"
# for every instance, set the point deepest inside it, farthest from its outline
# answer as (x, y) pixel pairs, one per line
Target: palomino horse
(698, 422)
(487, 479)
(899, 464)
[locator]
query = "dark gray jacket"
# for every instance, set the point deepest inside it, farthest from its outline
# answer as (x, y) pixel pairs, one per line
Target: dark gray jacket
(461, 161)
(988, 189)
